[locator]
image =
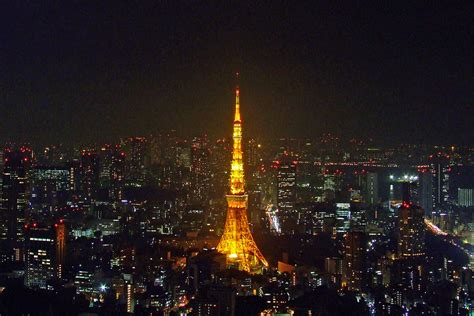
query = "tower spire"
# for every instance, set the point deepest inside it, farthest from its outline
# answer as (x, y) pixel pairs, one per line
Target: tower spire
(237, 104)
(237, 99)
(237, 242)
(237, 166)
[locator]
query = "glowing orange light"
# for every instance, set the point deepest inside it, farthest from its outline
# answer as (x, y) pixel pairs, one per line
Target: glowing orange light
(237, 241)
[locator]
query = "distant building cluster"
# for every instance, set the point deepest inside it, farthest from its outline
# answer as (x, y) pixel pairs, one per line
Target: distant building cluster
(134, 228)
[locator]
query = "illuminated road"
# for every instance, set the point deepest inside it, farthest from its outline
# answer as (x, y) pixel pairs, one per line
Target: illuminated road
(434, 229)
(453, 240)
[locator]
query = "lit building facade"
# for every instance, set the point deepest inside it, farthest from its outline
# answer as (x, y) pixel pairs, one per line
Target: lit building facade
(117, 175)
(45, 252)
(286, 193)
(465, 197)
(371, 188)
(200, 169)
(411, 231)
(425, 191)
(440, 170)
(89, 175)
(49, 185)
(14, 204)
(343, 217)
(137, 170)
(355, 252)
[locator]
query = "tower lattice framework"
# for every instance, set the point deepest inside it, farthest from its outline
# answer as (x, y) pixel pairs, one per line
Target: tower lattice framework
(237, 242)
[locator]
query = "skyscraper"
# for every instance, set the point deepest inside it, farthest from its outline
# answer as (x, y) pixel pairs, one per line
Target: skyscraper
(60, 248)
(286, 192)
(48, 186)
(411, 231)
(440, 169)
(117, 175)
(237, 242)
(74, 167)
(136, 174)
(372, 188)
(89, 175)
(425, 191)
(465, 197)
(14, 204)
(200, 168)
(355, 252)
(45, 252)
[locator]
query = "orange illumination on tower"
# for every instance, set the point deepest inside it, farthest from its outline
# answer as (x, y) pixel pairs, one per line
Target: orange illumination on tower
(237, 242)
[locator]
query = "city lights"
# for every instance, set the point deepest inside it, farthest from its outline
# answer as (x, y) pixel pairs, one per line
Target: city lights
(345, 185)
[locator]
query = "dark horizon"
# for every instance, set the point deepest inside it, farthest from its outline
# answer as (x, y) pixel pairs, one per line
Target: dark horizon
(91, 72)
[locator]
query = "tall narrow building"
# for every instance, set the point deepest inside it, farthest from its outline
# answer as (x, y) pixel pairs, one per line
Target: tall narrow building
(286, 193)
(411, 231)
(355, 252)
(89, 173)
(45, 254)
(237, 242)
(117, 175)
(440, 169)
(137, 170)
(14, 202)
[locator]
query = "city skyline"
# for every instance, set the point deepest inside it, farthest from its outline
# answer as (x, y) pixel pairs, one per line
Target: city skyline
(344, 185)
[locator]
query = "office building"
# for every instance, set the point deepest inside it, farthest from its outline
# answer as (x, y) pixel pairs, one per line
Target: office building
(411, 231)
(465, 197)
(45, 254)
(355, 252)
(14, 203)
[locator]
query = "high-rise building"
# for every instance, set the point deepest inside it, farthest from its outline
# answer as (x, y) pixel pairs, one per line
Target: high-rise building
(237, 241)
(14, 204)
(286, 183)
(371, 188)
(129, 292)
(84, 283)
(200, 168)
(465, 197)
(425, 191)
(183, 155)
(137, 170)
(60, 248)
(117, 175)
(343, 217)
(49, 186)
(105, 158)
(355, 252)
(74, 168)
(220, 156)
(440, 169)
(253, 155)
(45, 252)
(89, 175)
(411, 231)
(225, 298)
(286, 193)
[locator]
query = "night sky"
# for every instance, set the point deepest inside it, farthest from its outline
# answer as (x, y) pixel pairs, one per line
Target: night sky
(98, 70)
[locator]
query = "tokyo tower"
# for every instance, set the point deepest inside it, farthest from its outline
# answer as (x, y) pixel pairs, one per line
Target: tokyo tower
(237, 242)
